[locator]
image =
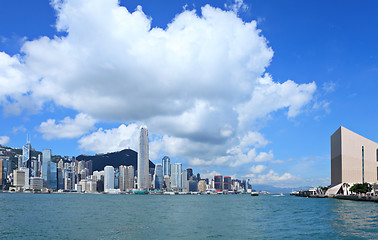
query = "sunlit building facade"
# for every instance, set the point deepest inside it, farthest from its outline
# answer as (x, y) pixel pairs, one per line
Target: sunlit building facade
(166, 166)
(354, 158)
(109, 178)
(143, 160)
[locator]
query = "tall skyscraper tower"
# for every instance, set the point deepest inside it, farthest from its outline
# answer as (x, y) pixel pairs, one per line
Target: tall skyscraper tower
(109, 178)
(26, 155)
(46, 160)
(143, 160)
(49, 170)
(158, 176)
(176, 176)
(166, 166)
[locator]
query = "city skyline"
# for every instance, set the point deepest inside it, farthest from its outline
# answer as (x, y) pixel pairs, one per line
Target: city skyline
(248, 89)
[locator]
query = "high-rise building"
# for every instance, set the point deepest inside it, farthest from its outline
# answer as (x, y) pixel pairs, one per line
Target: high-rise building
(122, 170)
(354, 158)
(193, 186)
(130, 177)
(176, 176)
(218, 183)
(46, 160)
(116, 178)
(202, 186)
(69, 177)
(26, 155)
(52, 179)
(36, 183)
(39, 165)
(143, 160)
(27, 177)
(2, 175)
(49, 170)
(167, 182)
(184, 181)
(19, 163)
(109, 178)
(18, 178)
(227, 183)
(189, 170)
(5, 169)
(89, 166)
(60, 179)
(158, 176)
(166, 166)
(60, 164)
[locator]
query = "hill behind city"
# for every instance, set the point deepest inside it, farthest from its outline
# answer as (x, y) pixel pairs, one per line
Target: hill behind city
(124, 157)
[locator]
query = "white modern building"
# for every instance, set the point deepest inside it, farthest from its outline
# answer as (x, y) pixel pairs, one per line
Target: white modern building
(176, 176)
(108, 178)
(36, 183)
(18, 178)
(143, 160)
(27, 179)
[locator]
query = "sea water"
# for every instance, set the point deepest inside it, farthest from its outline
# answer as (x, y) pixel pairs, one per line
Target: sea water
(103, 216)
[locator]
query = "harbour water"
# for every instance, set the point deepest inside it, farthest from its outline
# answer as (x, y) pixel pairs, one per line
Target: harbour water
(99, 216)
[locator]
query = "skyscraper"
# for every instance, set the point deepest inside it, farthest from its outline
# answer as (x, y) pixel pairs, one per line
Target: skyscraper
(143, 160)
(122, 178)
(3, 175)
(26, 155)
(184, 181)
(176, 176)
(49, 171)
(227, 183)
(166, 166)
(46, 159)
(189, 171)
(109, 178)
(130, 177)
(218, 183)
(52, 180)
(158, 176)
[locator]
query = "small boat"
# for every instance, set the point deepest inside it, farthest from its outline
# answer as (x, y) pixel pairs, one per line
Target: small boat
(281, 194)
(254, 193)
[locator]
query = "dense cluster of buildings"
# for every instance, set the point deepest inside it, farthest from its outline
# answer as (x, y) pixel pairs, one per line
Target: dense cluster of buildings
(71, 175)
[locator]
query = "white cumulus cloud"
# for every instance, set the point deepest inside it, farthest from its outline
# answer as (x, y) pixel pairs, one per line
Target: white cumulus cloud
(200, 83)
(4, 140)
(116, 139)
(257, 169)
(273, 178)
(68, 127)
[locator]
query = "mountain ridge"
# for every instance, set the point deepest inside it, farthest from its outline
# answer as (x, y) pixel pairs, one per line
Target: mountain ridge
(124, 157)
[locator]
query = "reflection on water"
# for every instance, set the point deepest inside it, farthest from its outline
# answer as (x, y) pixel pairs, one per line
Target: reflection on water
(355, 219)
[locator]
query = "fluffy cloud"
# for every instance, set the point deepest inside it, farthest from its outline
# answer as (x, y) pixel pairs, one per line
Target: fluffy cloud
(16, 85)
(273, 178)
(269, 96)
(148, 72)
(258, 169)
(200, 83)
(67, 128)
(4, 140)
(103, 141)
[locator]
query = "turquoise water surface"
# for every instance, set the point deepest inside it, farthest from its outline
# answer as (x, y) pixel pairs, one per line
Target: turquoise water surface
(99, 216)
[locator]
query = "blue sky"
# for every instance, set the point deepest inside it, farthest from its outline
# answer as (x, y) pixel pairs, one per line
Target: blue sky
(248, 89)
